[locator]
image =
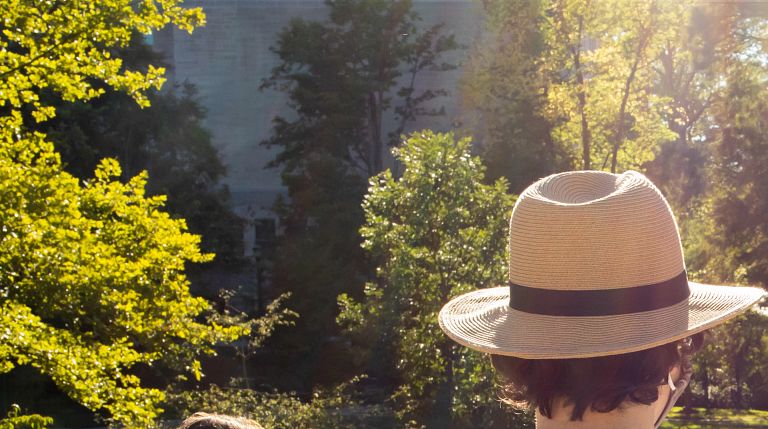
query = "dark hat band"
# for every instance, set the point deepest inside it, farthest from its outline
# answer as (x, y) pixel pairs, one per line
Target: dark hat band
(606, 302)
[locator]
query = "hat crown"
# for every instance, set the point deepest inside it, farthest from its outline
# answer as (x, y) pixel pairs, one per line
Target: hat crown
(592, 230)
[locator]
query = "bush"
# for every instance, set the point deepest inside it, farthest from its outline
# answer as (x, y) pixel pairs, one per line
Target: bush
(334, 408)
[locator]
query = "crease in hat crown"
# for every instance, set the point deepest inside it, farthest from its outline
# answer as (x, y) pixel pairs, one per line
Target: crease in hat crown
(593, 230)
(585, 187)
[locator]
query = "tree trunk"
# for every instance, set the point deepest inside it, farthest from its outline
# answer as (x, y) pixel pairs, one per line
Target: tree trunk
(586, 136)
(705, 383)
(642, 42)
(622, 119)
(374, 134)
(738, 400)
(441, 413)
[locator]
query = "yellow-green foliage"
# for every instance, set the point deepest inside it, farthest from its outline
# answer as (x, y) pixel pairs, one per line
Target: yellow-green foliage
(586, 68)
(31, 421)
(64, 45)
(92, 282)
(91, 274)
(613, 45)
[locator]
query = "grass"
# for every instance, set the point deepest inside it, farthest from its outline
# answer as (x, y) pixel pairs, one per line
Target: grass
(719, 418)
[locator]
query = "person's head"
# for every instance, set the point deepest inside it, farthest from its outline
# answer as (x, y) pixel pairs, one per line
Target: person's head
(598, 296)
(217, 421)
(599, 384)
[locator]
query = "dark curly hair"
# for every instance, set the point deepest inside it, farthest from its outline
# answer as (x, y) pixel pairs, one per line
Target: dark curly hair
(600, 383)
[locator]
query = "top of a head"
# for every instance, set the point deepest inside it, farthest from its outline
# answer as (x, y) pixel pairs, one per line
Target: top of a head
(593, 230)
(202, 420)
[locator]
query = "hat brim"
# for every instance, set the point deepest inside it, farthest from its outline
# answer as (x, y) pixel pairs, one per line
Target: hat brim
(482, 320)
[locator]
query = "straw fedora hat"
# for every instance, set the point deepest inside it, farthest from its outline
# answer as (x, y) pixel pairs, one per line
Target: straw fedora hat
(595, 268)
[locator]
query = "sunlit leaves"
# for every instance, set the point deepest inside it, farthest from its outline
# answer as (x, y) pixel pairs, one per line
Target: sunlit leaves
(88, 372)
(435, 232)
(91, 274)
(107, 264)
(607, 51)
(15, 419)
(64, 45)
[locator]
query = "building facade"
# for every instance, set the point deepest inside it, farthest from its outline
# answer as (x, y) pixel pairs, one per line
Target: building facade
(228, 59)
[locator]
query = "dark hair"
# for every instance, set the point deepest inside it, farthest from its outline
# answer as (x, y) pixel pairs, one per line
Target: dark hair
(217, 421)
(600, 383)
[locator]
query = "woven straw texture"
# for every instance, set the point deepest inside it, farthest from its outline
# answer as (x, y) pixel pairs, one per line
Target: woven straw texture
(482, 320)
(593, 230)
(590, 230)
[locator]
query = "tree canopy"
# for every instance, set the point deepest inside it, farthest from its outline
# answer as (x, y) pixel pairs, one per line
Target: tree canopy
(573, 86)
(352, 81)
(93, 268)
(675, 89)
(92, 282)
(434, 233)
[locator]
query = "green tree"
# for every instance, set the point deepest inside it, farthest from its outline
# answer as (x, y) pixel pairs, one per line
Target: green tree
(347, 78)
(434, 233)
(333, 408)
(560, 83)
(732, 216)
(342, 77)
(505, 95)
(725, 237)
(730, 213)
(168, 141)
(688, 78)
(730, 371)
(739, 202)
(92, 282)
(599, 58)
(15, 419)
(671, 88)
(67, 46)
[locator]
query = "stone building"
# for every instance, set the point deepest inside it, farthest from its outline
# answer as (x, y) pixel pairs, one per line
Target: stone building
(227, 61)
